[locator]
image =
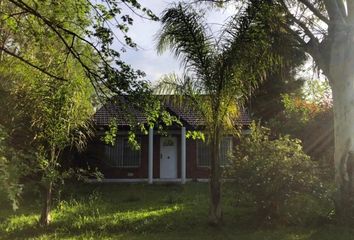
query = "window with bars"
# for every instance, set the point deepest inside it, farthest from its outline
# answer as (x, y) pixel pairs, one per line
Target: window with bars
(122, 155)
(204, 152)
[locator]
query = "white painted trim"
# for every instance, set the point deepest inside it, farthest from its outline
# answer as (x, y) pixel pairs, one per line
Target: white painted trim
(183, 155)
(118, 180)
(151, 156)
(156, 180)
(141, 180)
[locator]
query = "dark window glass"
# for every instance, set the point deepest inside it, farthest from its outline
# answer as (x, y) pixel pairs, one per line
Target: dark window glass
(122, 154)
(204, 152)
(131, 157)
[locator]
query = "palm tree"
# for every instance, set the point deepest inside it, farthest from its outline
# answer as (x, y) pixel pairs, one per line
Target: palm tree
(218, 76)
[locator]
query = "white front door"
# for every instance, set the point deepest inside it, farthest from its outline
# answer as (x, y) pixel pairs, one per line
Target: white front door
(168, 157)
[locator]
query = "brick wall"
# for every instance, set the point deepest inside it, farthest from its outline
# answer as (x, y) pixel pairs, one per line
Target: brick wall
(95, 157)
(193, 171)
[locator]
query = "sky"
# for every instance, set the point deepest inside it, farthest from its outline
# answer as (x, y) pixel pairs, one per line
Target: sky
(143, 32)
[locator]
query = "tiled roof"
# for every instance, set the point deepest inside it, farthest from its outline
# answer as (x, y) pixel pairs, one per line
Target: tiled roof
(118, 110)
(121, 111)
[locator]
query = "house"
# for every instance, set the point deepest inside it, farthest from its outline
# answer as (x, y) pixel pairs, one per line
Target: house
(161, 157)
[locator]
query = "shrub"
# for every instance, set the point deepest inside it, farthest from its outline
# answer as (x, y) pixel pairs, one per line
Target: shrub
(11, 169)
(273, 172)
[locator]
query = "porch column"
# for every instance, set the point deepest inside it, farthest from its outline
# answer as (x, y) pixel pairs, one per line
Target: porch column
(151, 155)
(183, 155)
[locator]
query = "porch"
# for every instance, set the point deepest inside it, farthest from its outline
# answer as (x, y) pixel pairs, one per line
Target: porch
(161, 158)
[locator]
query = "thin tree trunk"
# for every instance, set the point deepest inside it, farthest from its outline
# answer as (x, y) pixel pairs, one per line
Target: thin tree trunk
(47, 192)
(215, 211)
(47, 203)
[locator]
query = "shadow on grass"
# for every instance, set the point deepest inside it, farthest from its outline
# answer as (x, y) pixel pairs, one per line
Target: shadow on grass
(146, 212)
(140, 221)
(122, 209)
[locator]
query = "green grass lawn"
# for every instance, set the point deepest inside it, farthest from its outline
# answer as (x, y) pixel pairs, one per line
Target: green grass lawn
(139, 211)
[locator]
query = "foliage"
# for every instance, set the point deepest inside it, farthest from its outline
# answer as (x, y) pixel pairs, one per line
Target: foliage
(47, 117)
(68, 44)
(111, 134)
(9, 172)
(47, 114)
(304, 107)
(273, 173)
(213, 69)
(54, 57)
(265, 101)
(308, 116)
(319, 92)
(195, 135)
(300, 109)
(74, 25)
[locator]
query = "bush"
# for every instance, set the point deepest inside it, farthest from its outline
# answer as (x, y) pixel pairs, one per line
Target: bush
(310, 120)
(274, 173)
(11, 169)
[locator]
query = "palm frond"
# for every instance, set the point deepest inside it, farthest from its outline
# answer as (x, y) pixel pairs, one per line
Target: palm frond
(184, 32)
(169, 84)
(185, 92)
(247, 50)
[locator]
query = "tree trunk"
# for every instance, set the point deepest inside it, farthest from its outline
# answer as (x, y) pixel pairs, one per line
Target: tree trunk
(342, 81)
(215, 211)
(45, 215)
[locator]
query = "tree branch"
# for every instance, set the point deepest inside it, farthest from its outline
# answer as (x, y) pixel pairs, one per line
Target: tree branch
(31, 64)
(54, 27)
(315, 10)
(312, 47)
(13, 15)
(301, 24)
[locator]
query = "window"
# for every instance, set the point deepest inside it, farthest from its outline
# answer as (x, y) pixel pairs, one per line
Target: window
(131, 157)
(226, 150)
(122, 155)
(204, 152)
